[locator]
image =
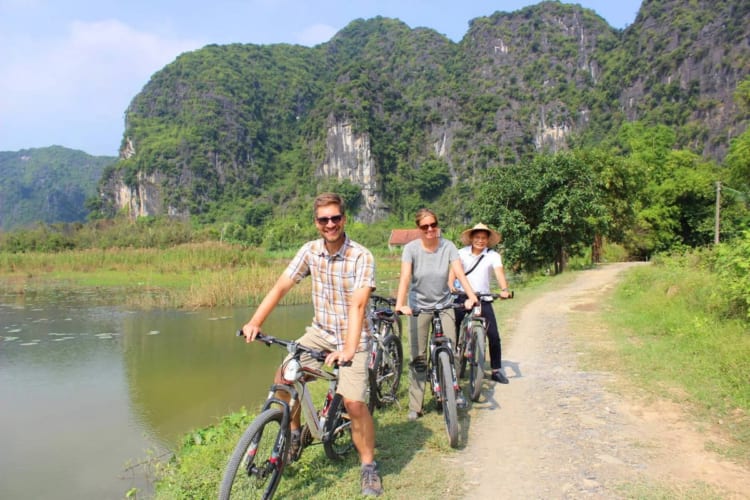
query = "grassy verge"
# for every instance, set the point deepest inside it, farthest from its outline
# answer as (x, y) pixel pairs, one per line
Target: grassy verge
(668, 340)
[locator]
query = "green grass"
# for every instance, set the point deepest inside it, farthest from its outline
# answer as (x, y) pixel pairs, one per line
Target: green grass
(668, 338)
(406, 452)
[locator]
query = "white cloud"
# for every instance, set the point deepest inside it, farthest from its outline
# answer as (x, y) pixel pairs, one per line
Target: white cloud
(315, 34)
(94, 70)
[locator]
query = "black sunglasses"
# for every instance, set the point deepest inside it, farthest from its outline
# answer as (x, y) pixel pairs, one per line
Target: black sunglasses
(323, 221)
(425, 227)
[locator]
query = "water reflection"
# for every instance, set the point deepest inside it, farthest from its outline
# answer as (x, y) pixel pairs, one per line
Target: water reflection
(185, 370)
(85, 390)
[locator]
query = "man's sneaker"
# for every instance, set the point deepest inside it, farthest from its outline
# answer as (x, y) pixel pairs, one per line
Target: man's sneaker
(294, 447)
(499, 376)
(371, 485)
(412, 415)
(461, 400)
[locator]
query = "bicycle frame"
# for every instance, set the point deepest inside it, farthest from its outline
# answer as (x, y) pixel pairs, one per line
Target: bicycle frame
(299, 387)
(300, 376)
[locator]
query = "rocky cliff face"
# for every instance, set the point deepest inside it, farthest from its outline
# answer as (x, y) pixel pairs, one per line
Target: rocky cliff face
(682, 64)
(348, 156)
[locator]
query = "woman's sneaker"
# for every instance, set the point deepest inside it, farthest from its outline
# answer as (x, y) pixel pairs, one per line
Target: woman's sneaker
(371, 485)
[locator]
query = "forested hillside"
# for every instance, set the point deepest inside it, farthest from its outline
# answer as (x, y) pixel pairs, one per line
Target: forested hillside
(546, 122)
(47, 185)
(401, 117)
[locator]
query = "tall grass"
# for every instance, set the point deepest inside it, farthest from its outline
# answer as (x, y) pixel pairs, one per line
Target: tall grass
(192, 275)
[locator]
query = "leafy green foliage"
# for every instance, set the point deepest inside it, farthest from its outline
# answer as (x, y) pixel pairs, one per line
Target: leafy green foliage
(546, 209)
(731, 264)
(47, 185)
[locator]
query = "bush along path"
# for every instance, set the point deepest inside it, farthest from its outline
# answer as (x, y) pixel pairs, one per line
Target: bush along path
(561, 431)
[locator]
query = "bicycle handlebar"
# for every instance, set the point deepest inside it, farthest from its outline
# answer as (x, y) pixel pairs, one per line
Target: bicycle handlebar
(291, 346)
(416, 311)
(480, 295)
(294, 347)
(380, 299)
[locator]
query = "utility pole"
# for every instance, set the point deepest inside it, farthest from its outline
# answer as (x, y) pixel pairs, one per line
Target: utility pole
(718, 211)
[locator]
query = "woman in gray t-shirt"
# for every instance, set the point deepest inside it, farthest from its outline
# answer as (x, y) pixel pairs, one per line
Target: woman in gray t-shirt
(425, 264)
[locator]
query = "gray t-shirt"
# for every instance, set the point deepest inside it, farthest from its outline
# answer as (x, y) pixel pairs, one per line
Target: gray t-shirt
(429, 273)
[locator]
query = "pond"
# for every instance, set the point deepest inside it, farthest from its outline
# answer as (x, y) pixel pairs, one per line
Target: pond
(89, 392)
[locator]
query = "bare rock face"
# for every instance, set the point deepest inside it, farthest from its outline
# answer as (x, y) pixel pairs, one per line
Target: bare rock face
(349, 157)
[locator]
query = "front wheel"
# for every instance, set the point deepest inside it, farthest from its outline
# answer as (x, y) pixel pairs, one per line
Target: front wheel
(463, 352)
(255, 467)
(385, 376)
(476, 372)
(337, 433)
(448, 393)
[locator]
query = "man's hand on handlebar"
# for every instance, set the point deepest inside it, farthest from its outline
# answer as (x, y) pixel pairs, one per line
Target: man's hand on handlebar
(250, 331)
(341, 357)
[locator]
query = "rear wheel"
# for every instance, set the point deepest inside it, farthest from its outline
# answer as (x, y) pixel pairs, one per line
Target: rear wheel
(385, 376)
(448, 393)
(337, 440)
(255, 467)
(476, 373)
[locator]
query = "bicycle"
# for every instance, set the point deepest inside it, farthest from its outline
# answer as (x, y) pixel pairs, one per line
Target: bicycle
(258, 461)
(387, 356)
(442, 372)
(471, 349)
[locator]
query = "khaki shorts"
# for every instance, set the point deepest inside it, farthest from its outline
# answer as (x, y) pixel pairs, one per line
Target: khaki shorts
(353, 380)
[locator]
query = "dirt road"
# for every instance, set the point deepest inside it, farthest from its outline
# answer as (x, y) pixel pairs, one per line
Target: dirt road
(557, 431)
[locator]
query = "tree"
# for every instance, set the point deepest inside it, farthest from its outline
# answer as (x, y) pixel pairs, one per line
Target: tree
(547, 210)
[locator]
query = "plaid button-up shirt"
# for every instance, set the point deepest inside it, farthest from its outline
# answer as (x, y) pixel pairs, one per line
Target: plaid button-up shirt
(335, 278)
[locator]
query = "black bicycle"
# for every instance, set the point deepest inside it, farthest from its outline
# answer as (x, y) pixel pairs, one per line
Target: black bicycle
(442, 373)
(258, 461)
(387, 356)
(471, 349)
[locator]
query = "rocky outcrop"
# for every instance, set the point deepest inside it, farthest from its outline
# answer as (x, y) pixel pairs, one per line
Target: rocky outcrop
(349, 157)
(144, 198)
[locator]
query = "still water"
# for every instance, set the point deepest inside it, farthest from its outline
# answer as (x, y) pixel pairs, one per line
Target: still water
(88, 392)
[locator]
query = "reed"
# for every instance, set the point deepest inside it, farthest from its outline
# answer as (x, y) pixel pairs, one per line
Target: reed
(197, 275)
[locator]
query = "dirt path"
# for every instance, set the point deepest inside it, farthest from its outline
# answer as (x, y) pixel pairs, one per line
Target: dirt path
(559, 432)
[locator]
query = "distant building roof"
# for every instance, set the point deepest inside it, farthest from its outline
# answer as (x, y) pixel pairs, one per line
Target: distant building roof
(404, 236)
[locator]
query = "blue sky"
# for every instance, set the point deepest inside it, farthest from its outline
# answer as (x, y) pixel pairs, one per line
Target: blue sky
(69, 68)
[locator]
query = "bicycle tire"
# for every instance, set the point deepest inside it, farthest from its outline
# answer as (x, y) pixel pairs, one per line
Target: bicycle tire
(385, 375)
(463, 340)
(450, 412)
(476, 372)
(337, 440)
(254, 470)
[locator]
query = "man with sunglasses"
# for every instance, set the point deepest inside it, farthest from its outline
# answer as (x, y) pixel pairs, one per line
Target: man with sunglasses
(343, 276)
